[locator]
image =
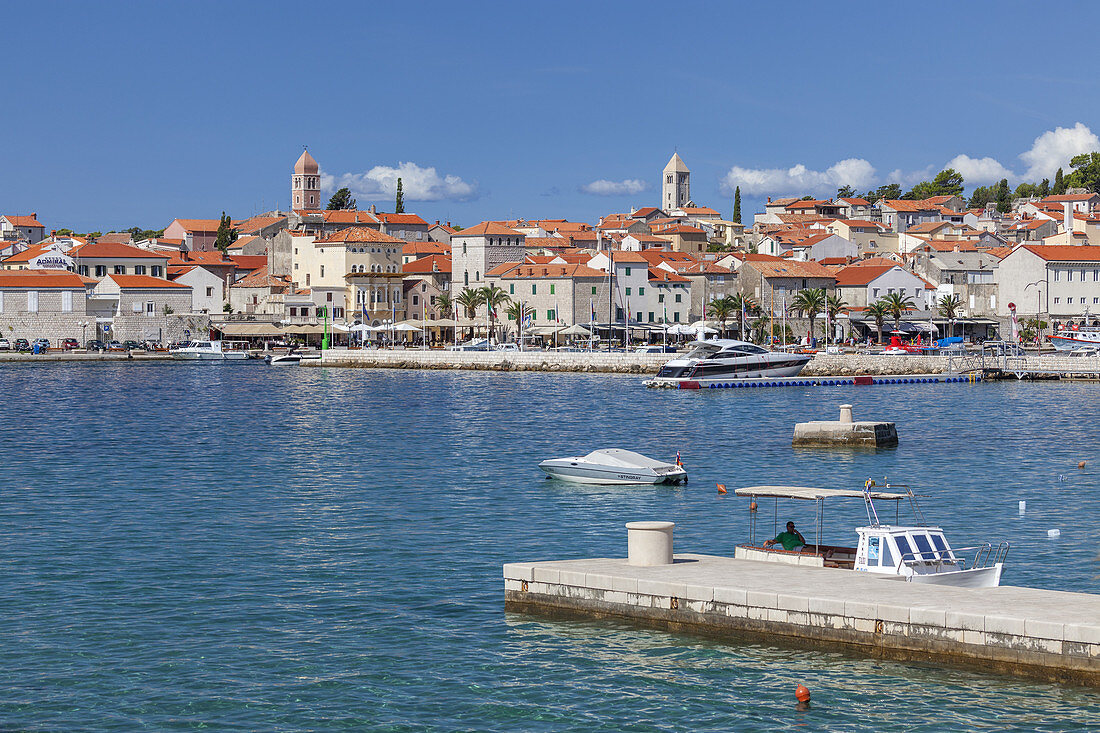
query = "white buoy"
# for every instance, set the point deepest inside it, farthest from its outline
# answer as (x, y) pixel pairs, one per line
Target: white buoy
(1052, 533)
(1023, 507)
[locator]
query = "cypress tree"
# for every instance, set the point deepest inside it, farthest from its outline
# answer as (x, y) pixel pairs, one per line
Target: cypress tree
(1059, 186)
(399, 207)
(737, 204)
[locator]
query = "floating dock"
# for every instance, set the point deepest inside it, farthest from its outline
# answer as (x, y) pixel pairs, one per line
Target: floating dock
(1043, 634)
(825, 381)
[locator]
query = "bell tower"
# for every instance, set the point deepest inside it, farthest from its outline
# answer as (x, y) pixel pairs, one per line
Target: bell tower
(305, 184)
(675, 184)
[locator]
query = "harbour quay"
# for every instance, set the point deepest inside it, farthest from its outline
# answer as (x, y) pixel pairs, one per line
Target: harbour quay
(1042, 634)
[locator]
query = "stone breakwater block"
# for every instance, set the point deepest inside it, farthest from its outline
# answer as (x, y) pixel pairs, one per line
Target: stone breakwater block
(649, 543)
(845, 432)
(832, 433)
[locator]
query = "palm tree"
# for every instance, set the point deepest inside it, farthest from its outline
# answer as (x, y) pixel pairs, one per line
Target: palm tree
(445, 305)
(836, 306)
(493, 297)
(810, 301)
(722, 309)
(896, 305)
(518, 312)
(469, 300)
(745, 305)
(949, 306)
(878, 311)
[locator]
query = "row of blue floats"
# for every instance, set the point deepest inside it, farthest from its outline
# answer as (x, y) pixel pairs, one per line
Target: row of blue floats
(746, 384)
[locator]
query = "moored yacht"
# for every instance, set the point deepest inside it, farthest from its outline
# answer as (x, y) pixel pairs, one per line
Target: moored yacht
(723, 360)
(1076, 337)
(614, 466)
(206, 351)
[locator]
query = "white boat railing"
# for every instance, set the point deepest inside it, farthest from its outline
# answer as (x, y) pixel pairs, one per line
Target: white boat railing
(984, 557)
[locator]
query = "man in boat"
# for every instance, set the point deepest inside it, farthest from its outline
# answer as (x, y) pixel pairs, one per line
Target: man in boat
(792, 540)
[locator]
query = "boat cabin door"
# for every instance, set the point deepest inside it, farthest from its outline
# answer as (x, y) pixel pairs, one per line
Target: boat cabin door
(876, 553)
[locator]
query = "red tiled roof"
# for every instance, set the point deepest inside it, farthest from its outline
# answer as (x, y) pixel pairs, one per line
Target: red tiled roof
(856, 201)
(256, 223)
(358, 235)
(789, 268)
(261, 278)
(41, 279)
(556, 271)
(143, 282)
(349, 216)
(1065, 252)
(249, 262)
(400, 219)
(662, 275)
(206, 226)
(111, 250)
(860, 274)
(488, 228)
(30, 253)
(431, 263)
(700, 211)
(18, 220)
(214, 257)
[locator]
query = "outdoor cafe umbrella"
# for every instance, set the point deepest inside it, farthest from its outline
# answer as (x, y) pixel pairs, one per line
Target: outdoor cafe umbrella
(575, 330)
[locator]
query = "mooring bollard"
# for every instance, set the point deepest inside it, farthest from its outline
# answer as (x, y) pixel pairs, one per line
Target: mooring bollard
(846, 413)
(649, 543)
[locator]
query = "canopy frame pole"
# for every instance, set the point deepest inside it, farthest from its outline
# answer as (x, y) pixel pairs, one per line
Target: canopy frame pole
(817, 529)
(775, 518)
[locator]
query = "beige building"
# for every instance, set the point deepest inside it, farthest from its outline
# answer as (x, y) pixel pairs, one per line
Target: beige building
(560, 295)
(99, 260)
(1060, 280)
(479, 249)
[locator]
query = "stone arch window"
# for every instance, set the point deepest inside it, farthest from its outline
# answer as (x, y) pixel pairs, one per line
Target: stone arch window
(465, 276)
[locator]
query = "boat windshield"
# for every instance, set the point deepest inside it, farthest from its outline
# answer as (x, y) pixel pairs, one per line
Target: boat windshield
(704, 351)
(742, 350)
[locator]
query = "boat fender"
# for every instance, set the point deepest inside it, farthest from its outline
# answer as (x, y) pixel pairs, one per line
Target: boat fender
(802, 693)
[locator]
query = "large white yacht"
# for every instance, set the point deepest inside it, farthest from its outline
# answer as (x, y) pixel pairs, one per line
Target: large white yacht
(723, 360)
(206, 351)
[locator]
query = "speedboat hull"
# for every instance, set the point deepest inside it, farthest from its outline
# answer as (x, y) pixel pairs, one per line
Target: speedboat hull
(989, 577)
(561, 469)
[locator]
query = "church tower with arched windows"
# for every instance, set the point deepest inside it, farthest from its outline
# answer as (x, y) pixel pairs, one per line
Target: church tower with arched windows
(305, 184)
(676, 184)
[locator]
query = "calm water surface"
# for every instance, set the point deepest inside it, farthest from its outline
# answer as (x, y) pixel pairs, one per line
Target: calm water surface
(238, 547)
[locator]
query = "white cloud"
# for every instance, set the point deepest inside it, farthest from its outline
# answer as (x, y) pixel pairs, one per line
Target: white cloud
(855, 172)
(907, 179)
(1053, 149)
(979, 171)
(625, 187)
(417, 183)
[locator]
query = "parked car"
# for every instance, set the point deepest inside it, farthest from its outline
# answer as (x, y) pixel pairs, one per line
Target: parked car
(114, 346)
(95, 345)
(5, 345)
(42, 345)
(475, 345)
(131, 345)
(70, 344)
(22, 345)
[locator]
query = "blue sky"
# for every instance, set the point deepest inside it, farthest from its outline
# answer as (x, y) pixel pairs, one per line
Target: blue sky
(123, 114)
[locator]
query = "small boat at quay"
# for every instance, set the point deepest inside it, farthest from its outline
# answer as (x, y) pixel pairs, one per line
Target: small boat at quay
(290, 359)
(725, 360)
(207, 351)
(916, 553)
(1076, 337)
(614, 466)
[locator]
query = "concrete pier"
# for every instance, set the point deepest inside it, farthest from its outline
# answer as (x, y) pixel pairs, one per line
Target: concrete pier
(845, 432)
(1043, 634)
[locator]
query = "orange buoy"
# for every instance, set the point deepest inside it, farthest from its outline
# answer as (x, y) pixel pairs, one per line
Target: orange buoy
(721, 488)
(1081, 464)
(802, 693)
(752, 507)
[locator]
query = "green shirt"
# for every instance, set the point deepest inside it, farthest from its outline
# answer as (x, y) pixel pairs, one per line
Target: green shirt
(789, 540)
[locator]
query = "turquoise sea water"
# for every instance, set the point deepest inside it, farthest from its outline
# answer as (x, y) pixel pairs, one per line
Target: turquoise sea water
(236, 547)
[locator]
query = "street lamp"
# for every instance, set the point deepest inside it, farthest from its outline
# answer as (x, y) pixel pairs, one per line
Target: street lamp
(1038, 311)
(84, 333)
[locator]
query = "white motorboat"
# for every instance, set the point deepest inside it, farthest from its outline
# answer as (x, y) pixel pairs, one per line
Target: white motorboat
(1076, 337)
(614, 466)
(916, 553)
(724, 360)
(290, 359)
(207, 351)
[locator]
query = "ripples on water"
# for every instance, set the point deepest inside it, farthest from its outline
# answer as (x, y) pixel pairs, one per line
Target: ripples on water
(282, 549)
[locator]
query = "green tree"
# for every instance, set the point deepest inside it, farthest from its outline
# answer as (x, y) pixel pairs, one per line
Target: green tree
(1085, 173)
(845, 192)
(980, 196)
(722, 309)
(897, 305)
(227, 235)
(891, 192)
(1003, 194)
(837, 305)
(1044, 187)
(493, 297)
(878, 311)
(399, 206)
(949, 307)
(469, 300)
(810, 301)
(737, 204)
(444, 305)
(744, 306)
(1059, 186)
(517, 311)
(341, 200)
(947, 182)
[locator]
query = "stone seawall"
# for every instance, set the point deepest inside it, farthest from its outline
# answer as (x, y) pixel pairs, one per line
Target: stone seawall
(544, 361)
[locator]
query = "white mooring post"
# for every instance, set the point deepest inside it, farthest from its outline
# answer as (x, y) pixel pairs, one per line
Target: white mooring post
(649, 543)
